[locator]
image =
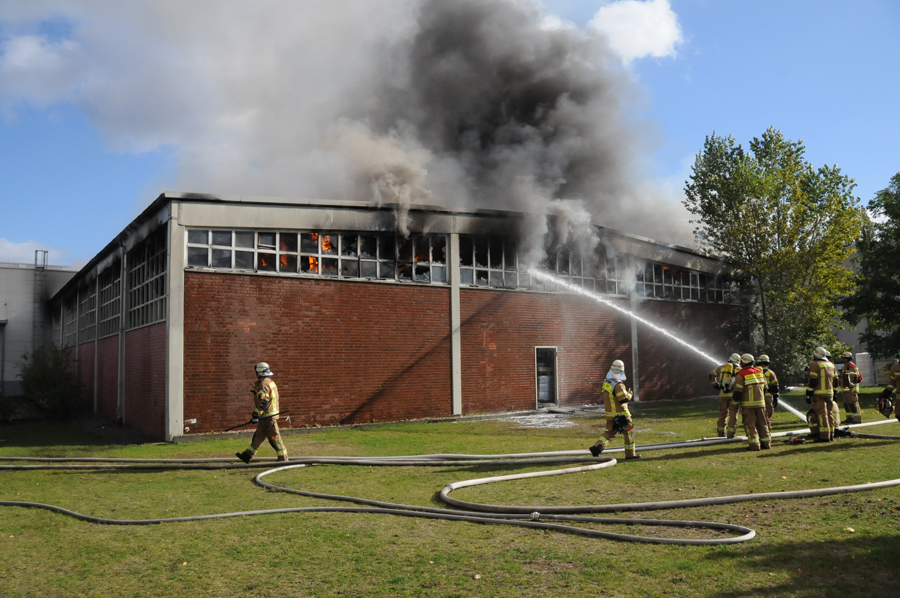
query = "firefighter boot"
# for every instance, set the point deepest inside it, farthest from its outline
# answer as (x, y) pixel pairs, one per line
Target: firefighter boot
(765, 446)
(281, 458)
(637, 456)
(596, 450)
(245, 456)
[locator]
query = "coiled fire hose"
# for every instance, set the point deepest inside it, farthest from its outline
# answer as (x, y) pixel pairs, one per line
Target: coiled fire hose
(536, 517)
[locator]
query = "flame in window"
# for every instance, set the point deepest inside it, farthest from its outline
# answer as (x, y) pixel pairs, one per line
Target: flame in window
(326, 243)
(284, 261)
(313, 264)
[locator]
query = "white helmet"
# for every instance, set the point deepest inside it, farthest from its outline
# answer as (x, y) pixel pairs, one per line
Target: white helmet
(735, 358)
(262, 369)
(746, 359)
(846, 355)
(820, 353)
(762, 359)
(617, 366)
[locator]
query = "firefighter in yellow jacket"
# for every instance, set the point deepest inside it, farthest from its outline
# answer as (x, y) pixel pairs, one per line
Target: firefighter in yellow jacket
(850, 379)
(265, 399)
(820, 394)
(749, 393)
(772, 392)
(722, 379)
(618, 418)
(890, 391)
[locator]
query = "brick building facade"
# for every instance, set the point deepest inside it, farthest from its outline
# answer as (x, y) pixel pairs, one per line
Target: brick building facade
(362, 324)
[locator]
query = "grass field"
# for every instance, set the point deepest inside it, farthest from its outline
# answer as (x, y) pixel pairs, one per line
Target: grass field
(843, 545)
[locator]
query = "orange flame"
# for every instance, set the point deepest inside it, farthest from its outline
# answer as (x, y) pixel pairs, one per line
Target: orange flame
(326, 242)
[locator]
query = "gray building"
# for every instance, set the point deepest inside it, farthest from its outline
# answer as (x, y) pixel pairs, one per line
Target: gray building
(24, 319)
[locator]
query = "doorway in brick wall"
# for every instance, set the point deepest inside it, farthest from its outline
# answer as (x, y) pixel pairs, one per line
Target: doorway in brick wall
(546, 379)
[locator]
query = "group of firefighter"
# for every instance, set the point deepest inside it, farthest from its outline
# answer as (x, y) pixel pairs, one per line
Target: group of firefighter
(748, 386)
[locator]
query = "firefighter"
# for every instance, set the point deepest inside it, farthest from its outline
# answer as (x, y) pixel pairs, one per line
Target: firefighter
(890, 391)
(749, 394)
(265, 415)
(722, 379)
(820, 394)
(849, 379)
(618, 418)
(771, 387)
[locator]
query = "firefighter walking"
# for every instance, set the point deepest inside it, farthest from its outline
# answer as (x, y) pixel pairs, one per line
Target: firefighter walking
(722, 379)
(890, 391)
(850, 379)
(820, 394)
(265, 416)
(618, 418)
(749, 394)
(772, 392)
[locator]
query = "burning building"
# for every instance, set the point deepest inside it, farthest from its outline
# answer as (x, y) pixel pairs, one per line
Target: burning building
(362, 323)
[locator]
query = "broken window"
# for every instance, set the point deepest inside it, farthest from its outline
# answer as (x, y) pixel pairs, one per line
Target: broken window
(146, 280)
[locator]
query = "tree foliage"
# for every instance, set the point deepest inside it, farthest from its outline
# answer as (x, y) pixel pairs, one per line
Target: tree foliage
(877, 298)
(49, 381)
(788, 228)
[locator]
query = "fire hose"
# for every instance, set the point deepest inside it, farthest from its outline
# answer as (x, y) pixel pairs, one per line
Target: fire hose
(535, 517)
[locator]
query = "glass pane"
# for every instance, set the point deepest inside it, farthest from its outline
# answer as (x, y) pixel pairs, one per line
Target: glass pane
(387, 270)
(439, 273)
(328, 247)
(465, 252)
(422, 250)
(481, 277)
(481, 252)
(439, 249)
(198, 256)
(266, 240)
(265, 262)
(658, 291)
(576, 264)
(309, 242)
(349, 268)
(201, 237)
(244, 239)
(287, 262)
(509, 280)
(309, 265)
(368, 246)
(221, 258)
(387, 248)
(496, 278)
(611, 287)
(466, 276)
(329, 266)
(287, 242)
(695, 294)
(221, 238)
(405, 250)
(667, 275)
(423, 274)
(496, 253)
(368, 269)
(562, 263)
(348, 245)
(509, 254)
(404, 271)
(243, 260)
(524, 281)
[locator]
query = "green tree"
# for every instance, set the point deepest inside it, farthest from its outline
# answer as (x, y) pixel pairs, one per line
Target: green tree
(877, 297)
(50, 383)
(788, 228)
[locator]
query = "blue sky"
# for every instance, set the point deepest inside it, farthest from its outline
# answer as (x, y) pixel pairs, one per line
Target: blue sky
(87, 139)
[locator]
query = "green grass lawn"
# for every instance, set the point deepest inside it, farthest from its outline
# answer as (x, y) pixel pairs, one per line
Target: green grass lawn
(803, 548)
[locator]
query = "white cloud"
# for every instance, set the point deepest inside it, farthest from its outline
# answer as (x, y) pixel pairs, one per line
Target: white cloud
(637, 29)
(23, 253)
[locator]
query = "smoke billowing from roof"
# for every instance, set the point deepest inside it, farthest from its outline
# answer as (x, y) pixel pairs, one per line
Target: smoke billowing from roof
(469, 103)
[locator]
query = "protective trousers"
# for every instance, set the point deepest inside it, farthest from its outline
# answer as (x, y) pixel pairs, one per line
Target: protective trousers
(851, 406)
(822, 422)
(267, 429)
(727, 412)
(611, 432)
(756, 426)
(770, 409)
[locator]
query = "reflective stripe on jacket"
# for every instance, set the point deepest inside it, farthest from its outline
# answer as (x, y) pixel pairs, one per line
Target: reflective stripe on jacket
(850, 377)
(771, 379)
(751, 382)
(266, 390)
(617, 405)
(724, 375)
(821, 378)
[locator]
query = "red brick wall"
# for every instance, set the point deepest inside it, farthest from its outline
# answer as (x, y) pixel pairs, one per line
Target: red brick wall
(107, 376)
(341, 352)
(85, 372)
(145, 379)
(501, 329)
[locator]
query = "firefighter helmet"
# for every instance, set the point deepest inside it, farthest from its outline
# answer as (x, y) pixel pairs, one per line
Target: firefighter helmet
(735, 358)
(617, 366)
(846, 355)
(884, 404)
(762, 359)
(262, 369)
(820, 353)
(746, 359)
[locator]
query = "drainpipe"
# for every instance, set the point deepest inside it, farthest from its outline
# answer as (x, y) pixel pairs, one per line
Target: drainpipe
(455, 337)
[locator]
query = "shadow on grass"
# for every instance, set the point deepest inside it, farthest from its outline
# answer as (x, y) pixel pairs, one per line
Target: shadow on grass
(857, 566)
(38, 434)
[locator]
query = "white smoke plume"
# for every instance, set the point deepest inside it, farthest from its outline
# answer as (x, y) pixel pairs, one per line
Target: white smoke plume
(469, 103)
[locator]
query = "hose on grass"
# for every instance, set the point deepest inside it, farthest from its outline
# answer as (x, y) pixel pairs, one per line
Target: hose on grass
(534, 517)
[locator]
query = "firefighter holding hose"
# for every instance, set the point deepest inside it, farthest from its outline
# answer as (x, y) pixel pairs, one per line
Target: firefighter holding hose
(820, 394)
(850, 379)
(618, 418)
(888, 397)
(265, 415)
(771, 387)
(722, 379)
(749, 394)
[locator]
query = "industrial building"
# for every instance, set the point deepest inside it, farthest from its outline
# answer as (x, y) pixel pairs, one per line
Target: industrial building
(361, 323)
